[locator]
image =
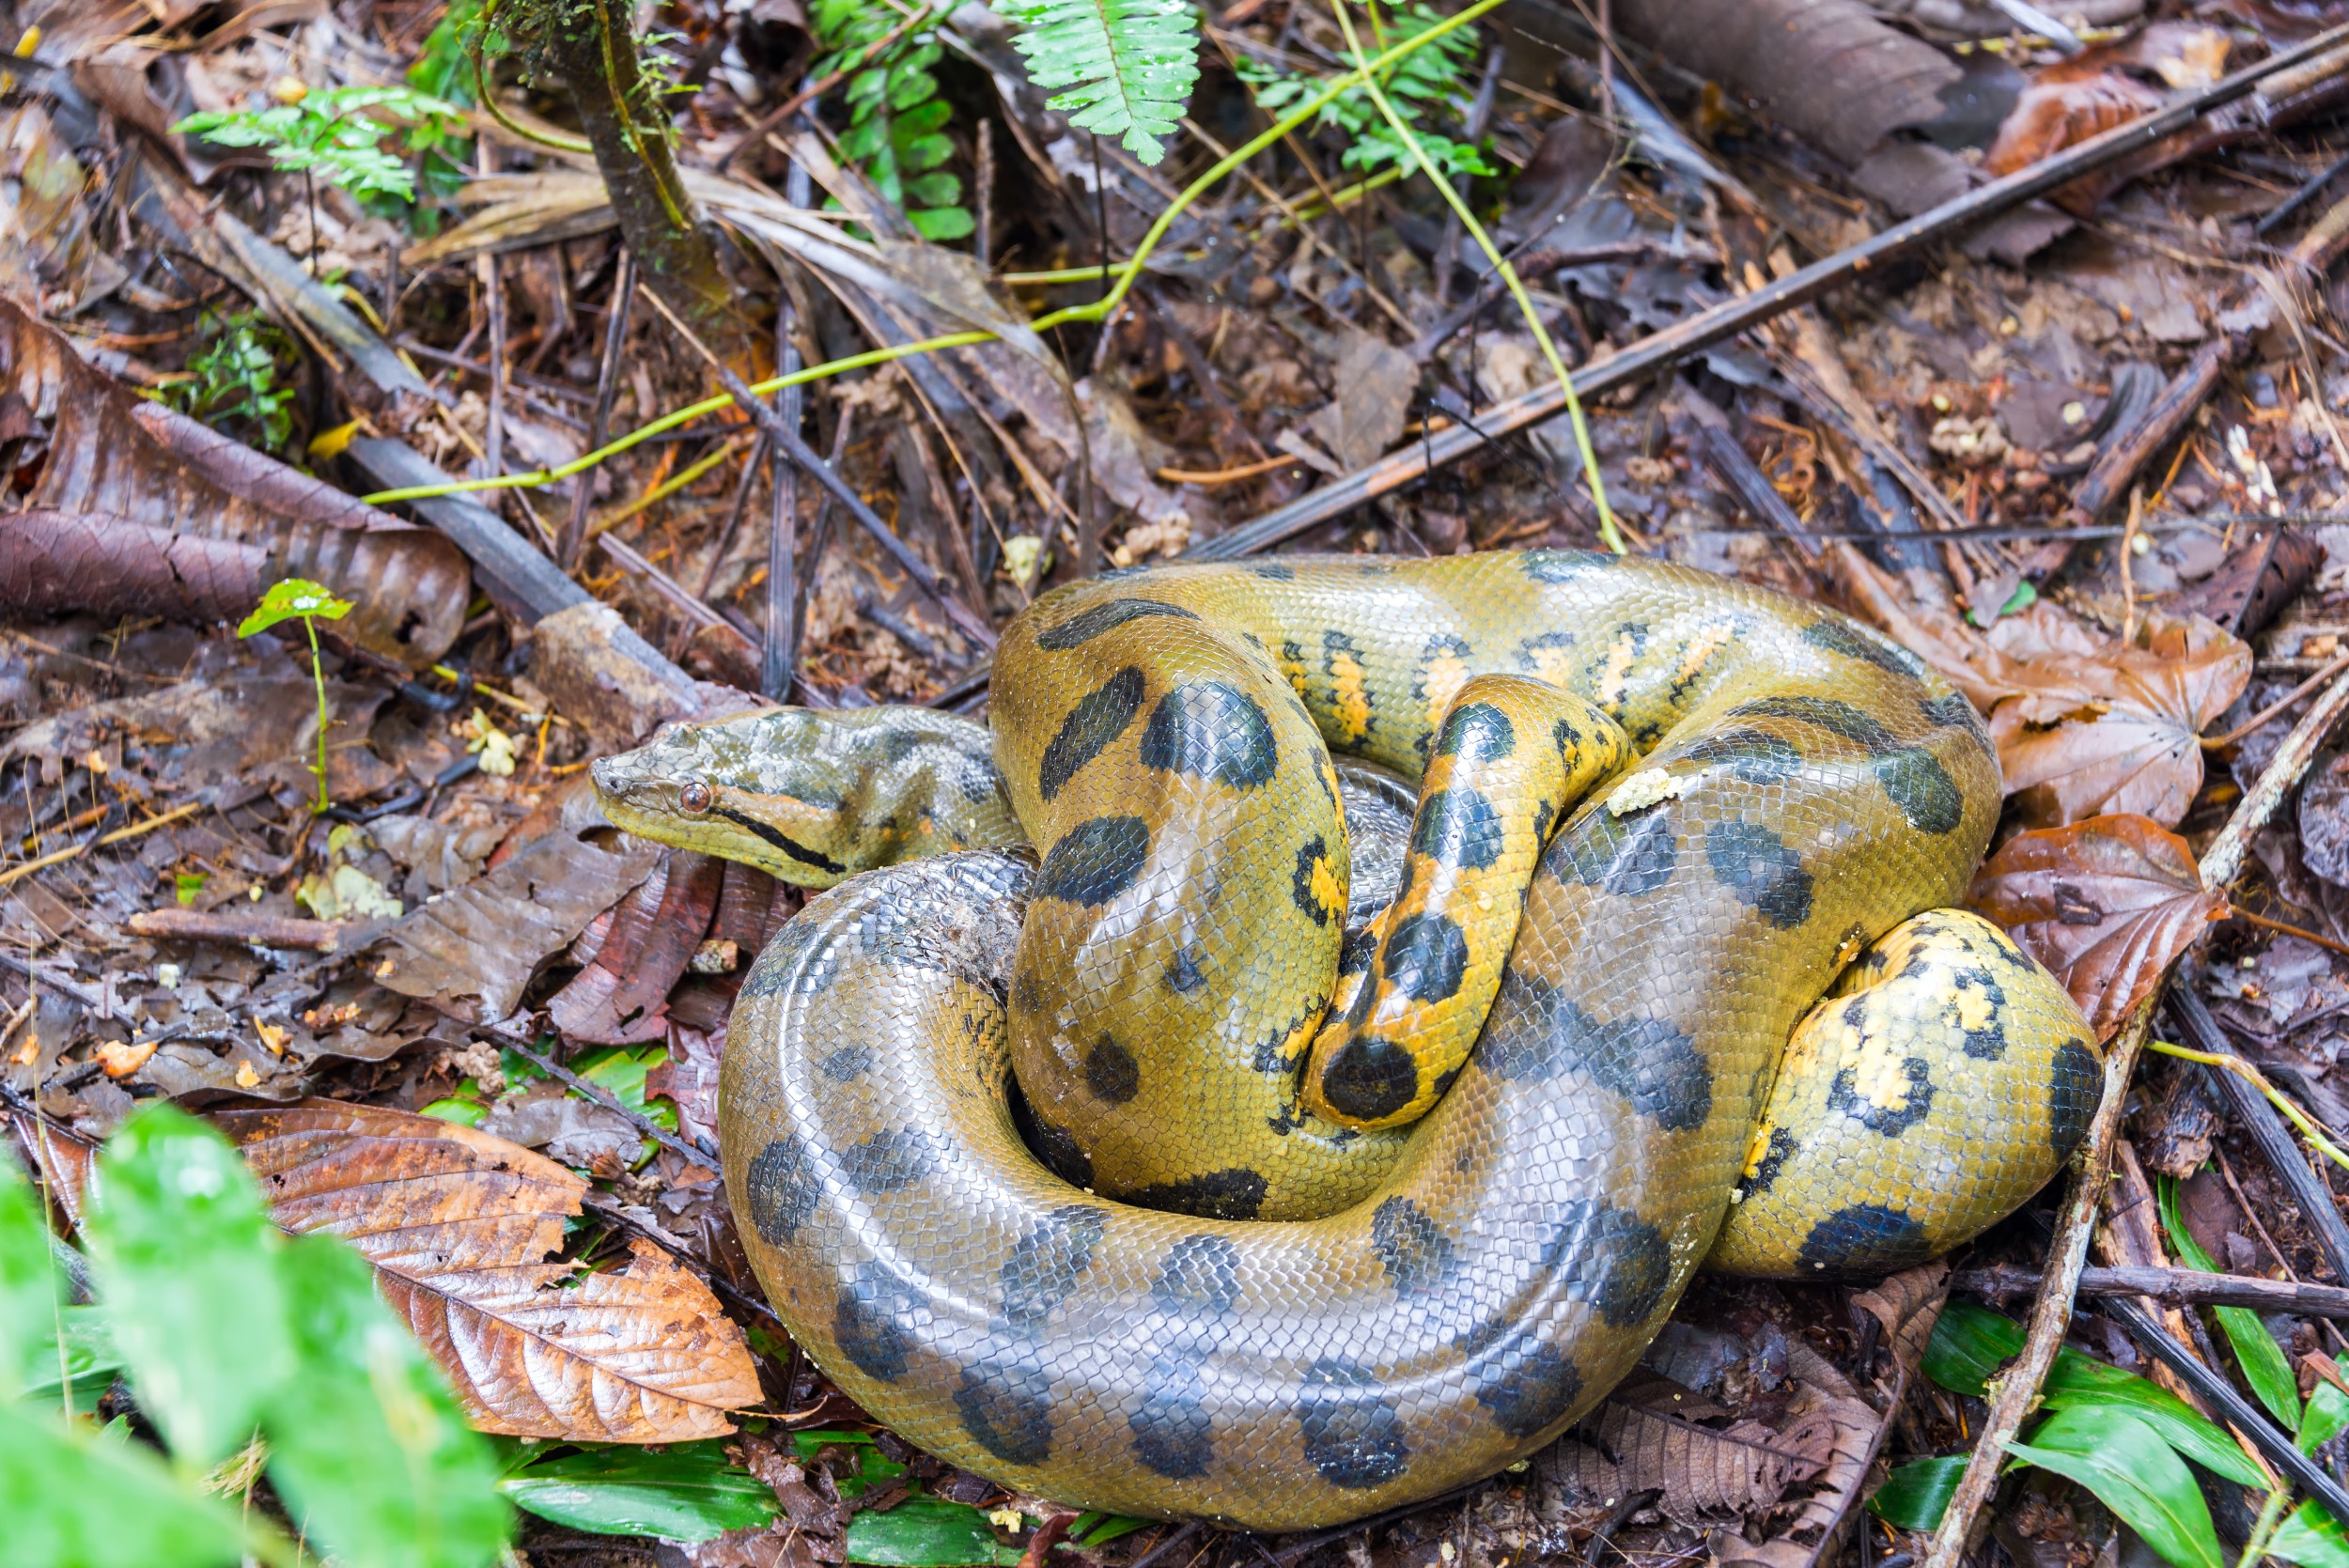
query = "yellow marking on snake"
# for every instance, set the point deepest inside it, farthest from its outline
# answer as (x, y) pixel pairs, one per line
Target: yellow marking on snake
(1169, 1287)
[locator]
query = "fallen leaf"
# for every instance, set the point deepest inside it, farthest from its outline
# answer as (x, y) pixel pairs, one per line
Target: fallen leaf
(621, 996)
(461, 1227)
(1700, 1473)
(121, 1057)
(139, 510)
(2106, 905)
(1906, 1305)
(1376, 383)
(2071, 99)
(1843, 1431)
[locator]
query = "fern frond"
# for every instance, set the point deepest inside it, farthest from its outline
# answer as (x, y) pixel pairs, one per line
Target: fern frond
(1129, 65)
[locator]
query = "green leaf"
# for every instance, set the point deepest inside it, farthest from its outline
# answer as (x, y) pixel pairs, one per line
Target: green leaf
(293, 596)
(2120, 1458)
(927, 1532)
(1129, 64)
(936, 188)
(924, 152)
(31, 1291)
(368, 1447)
(72, 1497)
(686, 1492)
(85, 1366)
(186, 1263)
(1968, 1345)
(2310, 1537)
(1915, 1496)
(944, 223)
(2256, 1351)
(2327, 1415)
(187, 886)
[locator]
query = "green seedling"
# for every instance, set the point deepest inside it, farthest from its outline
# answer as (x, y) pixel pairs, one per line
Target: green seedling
(299, 599)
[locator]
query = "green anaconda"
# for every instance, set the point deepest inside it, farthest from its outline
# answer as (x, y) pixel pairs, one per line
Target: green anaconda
(1068, 1169)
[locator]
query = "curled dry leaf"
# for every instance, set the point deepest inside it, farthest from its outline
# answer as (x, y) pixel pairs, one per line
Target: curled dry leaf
(461, 1227)
(1844, 1432)
(138, 510)
(2072, 99)
(2085, 724)
(621, 997)
(1700, 1473)
(2105, 904)
(1906, 1305)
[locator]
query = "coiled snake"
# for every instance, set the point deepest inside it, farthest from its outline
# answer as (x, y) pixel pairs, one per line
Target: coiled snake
(1041, 1159)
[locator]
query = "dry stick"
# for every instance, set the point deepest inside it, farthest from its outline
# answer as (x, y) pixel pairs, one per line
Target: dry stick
(1660, 350)
(2275, 708)
(800, 452)
(75, 852)
(239, 926)
(607, 384)
(2017, 1389)
(2171, 1287)
(780, 648)
(493, 297)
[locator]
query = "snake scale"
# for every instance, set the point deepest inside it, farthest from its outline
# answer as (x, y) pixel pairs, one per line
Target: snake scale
(1068, 1167)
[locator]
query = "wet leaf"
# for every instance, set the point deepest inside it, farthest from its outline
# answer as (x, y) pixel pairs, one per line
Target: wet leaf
(623, 994)
(460, 1226)
(2071, 99)
(690, 1492)
(139, 510)
(1915, 1496)
(927, 1532)
(2262, 1360)
(2117, 1455)
(1908, 1305)
(293, 598)
(2106, 905)
(1702, 1473)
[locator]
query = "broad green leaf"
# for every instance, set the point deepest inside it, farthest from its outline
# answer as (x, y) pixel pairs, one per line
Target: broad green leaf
(940, 224)
(1967, 1346)
(2313, 1538)
(86, 1365)
(1915, 1496)
(368, 1446)
(30, 1289)
(2327, 1415)
(72, 1498)
(186, 1263)
(2264, 1366)
(927, 1532)
(2123, 1461)
(292, 598)
(1093, 1530)
(686, 1492)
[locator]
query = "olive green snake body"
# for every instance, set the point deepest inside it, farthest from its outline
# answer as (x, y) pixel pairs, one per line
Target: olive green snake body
(1068, 1169)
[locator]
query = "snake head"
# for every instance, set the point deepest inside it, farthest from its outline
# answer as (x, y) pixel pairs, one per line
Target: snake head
(811, 797)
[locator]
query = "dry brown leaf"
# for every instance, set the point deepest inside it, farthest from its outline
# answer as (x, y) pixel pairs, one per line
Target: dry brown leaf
(58, 1161)
(623, 995)
(460, 1226)
(131, 497)
(2084, 723)
(2072, 99)
(1702, 1473)
(2106, 905)
(1906, 1305)
(1843, 1433)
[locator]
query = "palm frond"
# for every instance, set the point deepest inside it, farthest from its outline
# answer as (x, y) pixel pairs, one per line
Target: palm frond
(1128, 65)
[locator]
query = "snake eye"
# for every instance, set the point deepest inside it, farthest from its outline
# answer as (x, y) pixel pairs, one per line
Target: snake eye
(695, 798)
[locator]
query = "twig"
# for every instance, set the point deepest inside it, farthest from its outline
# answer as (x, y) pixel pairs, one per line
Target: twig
(704, 1158)
(607, 384)
(75, 852)
(238, 925)
(493, 298)
(2248, 1094)
(778, 648)
(2067, 1255)
(2171, 1287)
(2275, 708)
(604, 1208)
(800, 452)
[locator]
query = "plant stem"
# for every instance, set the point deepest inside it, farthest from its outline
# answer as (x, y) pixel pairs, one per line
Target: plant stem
(1607, 529)
(317, 676)
(2258, 1080)
(2271, 1514)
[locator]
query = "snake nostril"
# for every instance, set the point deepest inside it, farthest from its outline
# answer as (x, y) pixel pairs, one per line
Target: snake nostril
(695, 798)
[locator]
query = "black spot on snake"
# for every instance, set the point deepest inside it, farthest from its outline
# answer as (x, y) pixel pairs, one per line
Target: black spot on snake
(1311, 856)
(784, 1187)
(1626, 1261)
(1233, 1194)
(1174, 1436)
(1007, 1406)
(1094, 861)
(1831, 714)
(1370, 1077)
(1477, 732)
(1534, 1034)
(872, 1319)
(1211, 730)
(1755, 864)
(1353, 1435)
(1628, 857)
(846, 1064)
(1027, 991)
(1354, 953)
(1756, 756)
(1100, 717)
(1850, 641)
(1046, 1264)
(1062, 1154)
(1923, 790)
(1199, 1278)
(897, 745)
(1458, 827)
(1085, 625)
(1111, 1072)
(1774, 1157)
(1892, 1121)
(1865, 1238)
(888, 1161)
(781, 840)
(1182, 974)
(2074, 1084)
(1953, 712)
(1989, 1041)
(1524, 1384)
(1562, 565)
(1426, 955)
(1415, 1254)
